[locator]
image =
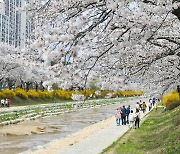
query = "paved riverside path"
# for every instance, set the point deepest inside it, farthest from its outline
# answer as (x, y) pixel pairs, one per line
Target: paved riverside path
(95, 143)
(100, 140)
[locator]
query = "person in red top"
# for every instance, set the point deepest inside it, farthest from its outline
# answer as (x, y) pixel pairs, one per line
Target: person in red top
(8, 103)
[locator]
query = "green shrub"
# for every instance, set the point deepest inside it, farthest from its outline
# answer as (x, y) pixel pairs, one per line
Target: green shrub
(21, 93)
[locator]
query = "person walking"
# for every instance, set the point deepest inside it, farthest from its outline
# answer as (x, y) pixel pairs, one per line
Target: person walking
(140, 105)
(117, 116)
(153, 101)
(144, 107)
(2, 102)
(127, 113)
(150, 100)
(137, 106)
(131, 119)
(8, 102)
(137, 118)
(123, 115)
(150, 106)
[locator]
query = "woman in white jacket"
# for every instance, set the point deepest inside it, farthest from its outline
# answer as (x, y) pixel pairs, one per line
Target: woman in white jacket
(131, 119)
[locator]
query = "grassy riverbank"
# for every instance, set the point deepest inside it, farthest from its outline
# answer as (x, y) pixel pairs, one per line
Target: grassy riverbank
(26, 102)
(159, 133)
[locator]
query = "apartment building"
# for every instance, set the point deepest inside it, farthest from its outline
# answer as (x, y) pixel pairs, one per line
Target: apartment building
(15, 28)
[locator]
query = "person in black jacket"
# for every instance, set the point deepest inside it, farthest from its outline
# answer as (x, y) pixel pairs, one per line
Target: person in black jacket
(127, 114)
(123, 115)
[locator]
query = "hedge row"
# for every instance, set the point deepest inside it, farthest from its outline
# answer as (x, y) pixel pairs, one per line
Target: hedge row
(63, 94)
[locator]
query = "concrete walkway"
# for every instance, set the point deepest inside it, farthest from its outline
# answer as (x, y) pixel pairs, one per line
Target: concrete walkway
(95, 143)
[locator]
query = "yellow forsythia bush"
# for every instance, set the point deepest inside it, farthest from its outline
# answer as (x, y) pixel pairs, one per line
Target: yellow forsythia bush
(87, 93)
(129, 93)
(33, 94)
(63, 94)
(119, 93)
(7, 94)
(138, 92)
(171, 98)
(1, 95)
(21, 93)
(45, 94)
(105, 92)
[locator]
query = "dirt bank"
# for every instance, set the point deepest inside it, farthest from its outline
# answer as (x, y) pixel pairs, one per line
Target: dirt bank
(61, 144)
(23, 128)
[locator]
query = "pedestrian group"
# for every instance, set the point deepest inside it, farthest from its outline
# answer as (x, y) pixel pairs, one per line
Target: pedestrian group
(5, 102)
(131, 116)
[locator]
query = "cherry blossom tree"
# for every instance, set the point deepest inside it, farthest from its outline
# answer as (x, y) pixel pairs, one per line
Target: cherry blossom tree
(19, 67)
(9, 64)
(133, 40)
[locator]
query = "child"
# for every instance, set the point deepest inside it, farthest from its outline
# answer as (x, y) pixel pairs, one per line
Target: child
(131, 119)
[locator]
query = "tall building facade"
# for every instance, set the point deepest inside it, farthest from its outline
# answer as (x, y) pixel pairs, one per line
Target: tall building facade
(14, 27)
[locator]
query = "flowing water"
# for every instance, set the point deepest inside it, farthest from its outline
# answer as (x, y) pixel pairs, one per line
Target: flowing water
(56, 127)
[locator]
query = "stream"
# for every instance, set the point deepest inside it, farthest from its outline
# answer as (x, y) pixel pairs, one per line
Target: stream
(56, 127)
